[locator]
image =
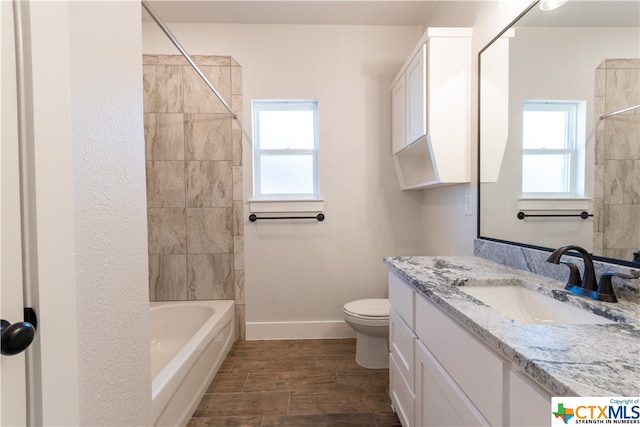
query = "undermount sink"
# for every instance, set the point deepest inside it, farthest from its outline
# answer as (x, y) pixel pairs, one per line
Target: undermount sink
(527, 306)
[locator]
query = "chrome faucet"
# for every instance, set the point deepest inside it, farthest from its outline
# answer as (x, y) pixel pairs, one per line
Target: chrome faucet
(602, 291)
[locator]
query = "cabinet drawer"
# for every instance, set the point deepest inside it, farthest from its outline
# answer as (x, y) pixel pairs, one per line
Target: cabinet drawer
(402, 398)
(439, 400)
(478, 370)
(401, 343)
(402, 297)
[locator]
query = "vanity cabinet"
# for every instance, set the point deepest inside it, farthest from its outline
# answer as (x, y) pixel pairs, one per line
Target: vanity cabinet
(402, 341)
(430, 105)
(441, 374)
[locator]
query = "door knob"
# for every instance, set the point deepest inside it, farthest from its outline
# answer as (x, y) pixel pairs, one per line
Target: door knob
(16, 337)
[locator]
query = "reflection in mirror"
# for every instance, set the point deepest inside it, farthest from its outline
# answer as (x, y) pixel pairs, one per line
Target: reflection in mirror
(545, 152)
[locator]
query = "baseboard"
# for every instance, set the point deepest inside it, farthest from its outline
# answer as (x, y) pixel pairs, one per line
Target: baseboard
(298, 330)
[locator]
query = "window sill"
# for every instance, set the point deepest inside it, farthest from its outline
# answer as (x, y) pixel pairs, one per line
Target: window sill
(286, 206)
(554, 204)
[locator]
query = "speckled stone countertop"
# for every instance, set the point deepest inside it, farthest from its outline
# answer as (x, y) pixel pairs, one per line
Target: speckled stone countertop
(567, 360)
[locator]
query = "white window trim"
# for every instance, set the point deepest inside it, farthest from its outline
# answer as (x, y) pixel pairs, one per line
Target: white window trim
(576, 151)
(294, 199)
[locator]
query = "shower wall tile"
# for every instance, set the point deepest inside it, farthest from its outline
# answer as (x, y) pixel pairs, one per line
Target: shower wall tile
(165, 183)
(218, 61)
(208, 136)
(209, 230)
(598, 212)
(238, 253)
(172, 60)
(167, 230)
(237, 183)
(623, 63)
(210, 276)
(149, 60)
(236, 81)
(238, 217)
(209, 184)
(198, 97)
(621, 180)
(622, 136)
(236, 104)
(599, 148)
(167, 277)
(236, 135)
(621, 226)
(239, 286)
(622, 88)
(164, 136)
(162, 88)
(240, 322)
(598, 187)
(617, 194)
(194, 166)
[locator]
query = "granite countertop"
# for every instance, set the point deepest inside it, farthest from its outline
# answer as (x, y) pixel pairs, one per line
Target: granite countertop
(567, 360)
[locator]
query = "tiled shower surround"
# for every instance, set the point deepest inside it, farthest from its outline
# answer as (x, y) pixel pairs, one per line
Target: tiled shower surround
(617, 193)
(194, 181)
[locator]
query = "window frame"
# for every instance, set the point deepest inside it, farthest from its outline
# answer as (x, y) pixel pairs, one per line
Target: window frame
(574, 146)
(259, 105)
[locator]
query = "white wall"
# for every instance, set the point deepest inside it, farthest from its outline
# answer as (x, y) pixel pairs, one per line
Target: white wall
(91, 214)
(299, 275)
(110, 213)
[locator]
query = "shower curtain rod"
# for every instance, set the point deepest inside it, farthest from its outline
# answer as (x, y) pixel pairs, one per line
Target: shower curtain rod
(624, 110)
(184, 53)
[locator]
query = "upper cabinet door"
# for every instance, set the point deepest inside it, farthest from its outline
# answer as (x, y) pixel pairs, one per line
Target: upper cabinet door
(416, 81)
(398, 115)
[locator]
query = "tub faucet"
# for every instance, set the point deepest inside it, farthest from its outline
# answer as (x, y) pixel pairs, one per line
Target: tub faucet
(575, 284)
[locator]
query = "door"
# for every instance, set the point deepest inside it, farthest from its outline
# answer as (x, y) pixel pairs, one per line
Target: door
(12, 368)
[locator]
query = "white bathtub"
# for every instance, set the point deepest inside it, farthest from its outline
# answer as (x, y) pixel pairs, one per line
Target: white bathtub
(189, 341)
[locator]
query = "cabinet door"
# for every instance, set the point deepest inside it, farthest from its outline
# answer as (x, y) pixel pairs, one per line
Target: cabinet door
(401, 344)
(439, 401)
(528, 403)
(402, 398)
(416, 80)
(398, 115)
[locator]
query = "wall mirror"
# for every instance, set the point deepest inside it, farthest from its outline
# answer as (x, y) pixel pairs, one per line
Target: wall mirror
(545, 154)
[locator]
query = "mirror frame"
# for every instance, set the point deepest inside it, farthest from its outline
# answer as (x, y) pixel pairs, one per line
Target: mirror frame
(479, 236)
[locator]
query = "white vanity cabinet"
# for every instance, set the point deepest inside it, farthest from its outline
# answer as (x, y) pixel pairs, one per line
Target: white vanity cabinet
(441, 374)
(430, 109)
(402, 341)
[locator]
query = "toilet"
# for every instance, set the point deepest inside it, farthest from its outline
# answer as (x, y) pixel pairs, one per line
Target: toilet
(370, 319)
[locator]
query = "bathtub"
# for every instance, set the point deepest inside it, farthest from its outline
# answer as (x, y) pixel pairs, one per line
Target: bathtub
(189, 341)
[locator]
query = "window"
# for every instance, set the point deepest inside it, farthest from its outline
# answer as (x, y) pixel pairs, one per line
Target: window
(285, 148)
(553, 148)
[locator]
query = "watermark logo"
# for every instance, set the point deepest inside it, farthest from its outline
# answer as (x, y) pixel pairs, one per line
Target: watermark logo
(595, 410)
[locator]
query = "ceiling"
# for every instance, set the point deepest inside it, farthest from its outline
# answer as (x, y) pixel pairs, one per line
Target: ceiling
(307, 12)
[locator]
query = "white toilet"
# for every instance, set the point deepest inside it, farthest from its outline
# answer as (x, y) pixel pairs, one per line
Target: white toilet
(370, 319)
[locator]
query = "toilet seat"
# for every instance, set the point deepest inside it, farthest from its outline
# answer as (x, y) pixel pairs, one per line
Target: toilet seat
(374, 308)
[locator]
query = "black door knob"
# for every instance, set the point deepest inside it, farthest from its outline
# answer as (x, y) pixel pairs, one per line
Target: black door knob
(16, 337)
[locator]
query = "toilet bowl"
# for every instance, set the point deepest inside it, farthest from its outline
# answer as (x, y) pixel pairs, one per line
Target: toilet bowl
(370, 319)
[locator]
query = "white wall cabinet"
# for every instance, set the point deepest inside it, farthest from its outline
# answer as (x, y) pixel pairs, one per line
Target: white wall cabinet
(430, 106)
(452, 378)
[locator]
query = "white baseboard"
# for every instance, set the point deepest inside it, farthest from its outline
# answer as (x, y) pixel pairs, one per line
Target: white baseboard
(298, 330)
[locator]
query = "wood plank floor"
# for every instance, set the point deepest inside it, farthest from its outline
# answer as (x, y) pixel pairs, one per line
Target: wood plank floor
(295, 383)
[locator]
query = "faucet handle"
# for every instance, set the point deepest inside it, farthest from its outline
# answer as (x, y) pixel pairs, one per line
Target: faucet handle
(574, 273)
(605, 288)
